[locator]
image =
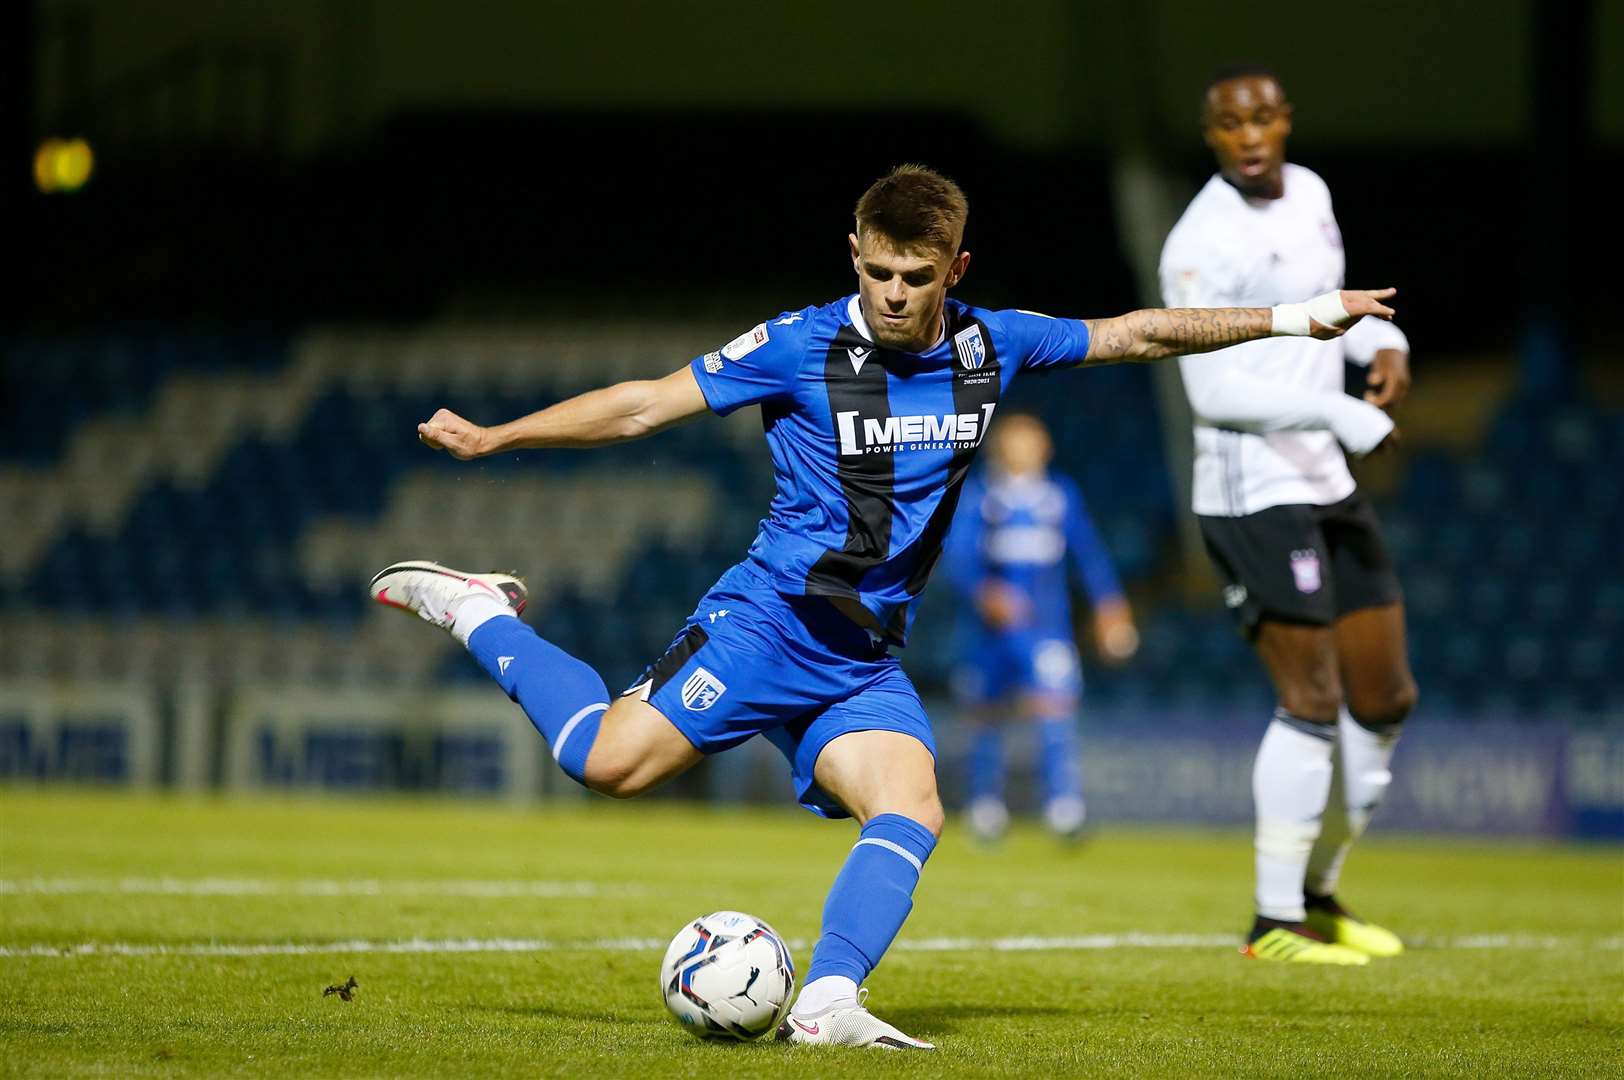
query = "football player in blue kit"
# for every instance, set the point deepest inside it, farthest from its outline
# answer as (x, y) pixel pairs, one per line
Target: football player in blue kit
(873, 407)
(1020, 533)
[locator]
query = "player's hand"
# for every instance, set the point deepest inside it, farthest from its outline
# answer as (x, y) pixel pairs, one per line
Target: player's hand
(1357, 303)
(1002, 606)
(462, 439)
(1388, 445)
(1115, 636)
(1389, 378)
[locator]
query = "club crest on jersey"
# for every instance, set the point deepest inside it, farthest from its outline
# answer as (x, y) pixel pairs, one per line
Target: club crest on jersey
(701, 691)
(1305, 568)
(971, 350)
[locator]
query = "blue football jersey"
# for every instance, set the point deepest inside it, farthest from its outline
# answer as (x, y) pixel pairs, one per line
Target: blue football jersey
(1030, 533)
(870, 447)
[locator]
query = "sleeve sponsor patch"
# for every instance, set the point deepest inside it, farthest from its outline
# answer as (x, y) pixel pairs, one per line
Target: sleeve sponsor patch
(746, 343)
(713, 362)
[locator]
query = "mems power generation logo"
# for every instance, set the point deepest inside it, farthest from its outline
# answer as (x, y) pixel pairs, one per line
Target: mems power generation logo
(890, 434)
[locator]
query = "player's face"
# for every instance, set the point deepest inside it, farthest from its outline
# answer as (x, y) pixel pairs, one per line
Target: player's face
(1246, 124)
(1021, 446)
(903, 292)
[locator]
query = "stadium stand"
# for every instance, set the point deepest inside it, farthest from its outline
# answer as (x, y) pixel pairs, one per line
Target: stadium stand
(209, 509)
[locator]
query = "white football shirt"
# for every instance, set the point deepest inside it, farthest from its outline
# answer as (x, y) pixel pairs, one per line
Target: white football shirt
(1271, 416)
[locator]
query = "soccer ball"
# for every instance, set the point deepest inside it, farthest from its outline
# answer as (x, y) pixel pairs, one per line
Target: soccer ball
(728, 976)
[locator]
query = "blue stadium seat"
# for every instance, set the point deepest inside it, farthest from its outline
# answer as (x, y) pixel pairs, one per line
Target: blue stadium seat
(1506, 552)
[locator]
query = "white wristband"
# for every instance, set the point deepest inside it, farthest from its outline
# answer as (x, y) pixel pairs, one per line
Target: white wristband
(1292, 320)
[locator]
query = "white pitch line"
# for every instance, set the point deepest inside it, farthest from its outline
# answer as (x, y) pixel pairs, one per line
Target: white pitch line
(307, 887)
(412, 945)
(1514, 941)
(536, 945)
(1132, 940)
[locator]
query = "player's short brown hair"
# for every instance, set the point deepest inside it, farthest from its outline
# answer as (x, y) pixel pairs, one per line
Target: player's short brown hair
(915, 206)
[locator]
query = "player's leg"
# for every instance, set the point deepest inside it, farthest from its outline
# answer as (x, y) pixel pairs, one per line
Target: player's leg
(1291, 786)
(1060, 773)
(988, 814)
(885, 777)
(1380, 693)
(979, 685)
(620, 751)
(637, 749)
(1272, 562)
(887, 781)
(563, 697)
(1291, 777)
(1054, 686)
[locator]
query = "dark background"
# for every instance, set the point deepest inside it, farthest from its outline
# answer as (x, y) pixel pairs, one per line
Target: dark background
(388, 160)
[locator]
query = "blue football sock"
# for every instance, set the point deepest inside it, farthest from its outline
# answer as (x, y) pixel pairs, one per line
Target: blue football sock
(563, 697)
(871, 897)
(1061, 773)
(987, 763)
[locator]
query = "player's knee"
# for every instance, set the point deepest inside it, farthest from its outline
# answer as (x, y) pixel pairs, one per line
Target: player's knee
(931, 816)
(618, 776)
(929, 813)
(1387, 708)
(926, 809)
(614, 785)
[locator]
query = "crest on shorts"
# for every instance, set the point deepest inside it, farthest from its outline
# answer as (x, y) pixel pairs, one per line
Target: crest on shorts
(1305, 568)
(701, 691)
(971, 350)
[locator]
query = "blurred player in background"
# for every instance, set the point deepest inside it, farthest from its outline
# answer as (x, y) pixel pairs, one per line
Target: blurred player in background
(1299, 548)
(1019, 529)
(873, 406)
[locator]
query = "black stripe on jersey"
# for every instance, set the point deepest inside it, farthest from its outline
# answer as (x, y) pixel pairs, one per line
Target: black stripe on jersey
(973, 390)
(868, 481)
(657, 674)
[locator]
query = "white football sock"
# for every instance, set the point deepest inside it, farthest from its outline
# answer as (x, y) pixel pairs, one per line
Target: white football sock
(1291, 781)
(1361, 780)
(821, 994)
(472, 612)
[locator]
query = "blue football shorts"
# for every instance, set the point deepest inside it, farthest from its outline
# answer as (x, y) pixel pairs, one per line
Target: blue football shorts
(997, 666)
(753, 661)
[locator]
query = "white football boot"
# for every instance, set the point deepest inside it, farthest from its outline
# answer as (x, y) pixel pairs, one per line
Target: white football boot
(989, 819)
(432, 592)
(1065, 816)
(847, 1025)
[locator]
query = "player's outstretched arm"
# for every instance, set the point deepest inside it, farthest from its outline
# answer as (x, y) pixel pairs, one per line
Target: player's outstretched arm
(628, 410)
(1157, 333)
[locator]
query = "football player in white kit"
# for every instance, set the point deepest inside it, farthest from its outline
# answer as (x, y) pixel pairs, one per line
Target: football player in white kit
(1300, 550)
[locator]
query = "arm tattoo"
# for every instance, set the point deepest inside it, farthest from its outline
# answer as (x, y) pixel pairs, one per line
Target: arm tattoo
(1156, 333)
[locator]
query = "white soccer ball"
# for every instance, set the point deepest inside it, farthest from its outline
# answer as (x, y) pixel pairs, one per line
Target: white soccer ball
(728, 976)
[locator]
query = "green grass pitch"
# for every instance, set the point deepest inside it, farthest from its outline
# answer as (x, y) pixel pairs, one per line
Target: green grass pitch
(213, 925)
